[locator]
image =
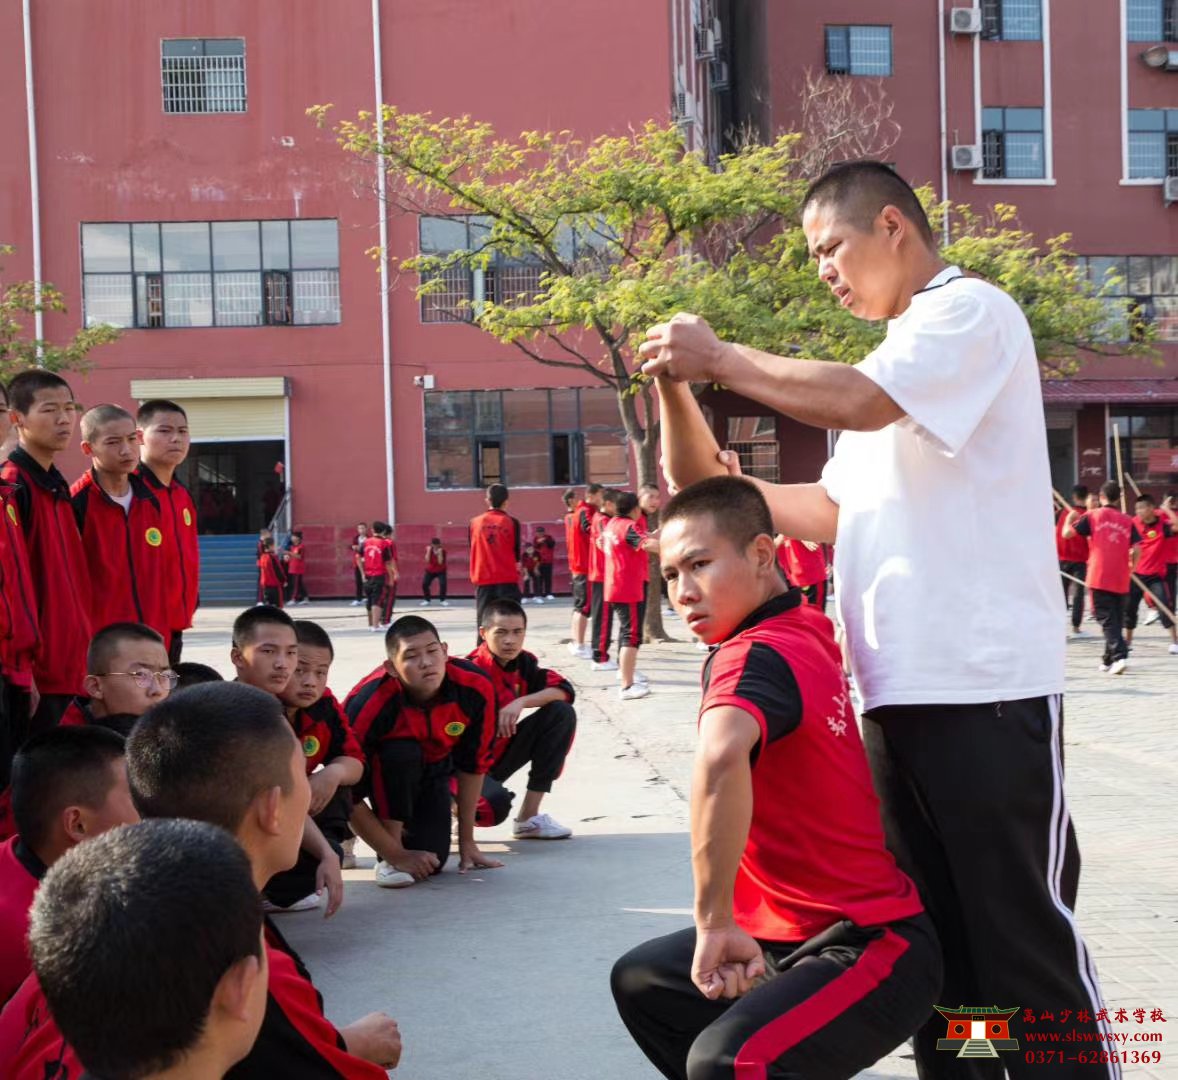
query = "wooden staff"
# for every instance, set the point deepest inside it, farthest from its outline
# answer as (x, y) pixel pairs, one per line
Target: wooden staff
(1144, 588)
(1120, 468)
(1133, 485)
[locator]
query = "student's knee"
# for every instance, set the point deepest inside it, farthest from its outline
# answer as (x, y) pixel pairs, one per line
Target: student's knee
(629, 980)
(562, 716)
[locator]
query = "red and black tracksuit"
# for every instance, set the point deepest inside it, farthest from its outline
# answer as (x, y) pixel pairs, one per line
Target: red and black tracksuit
(435, 570)
(1073, 560)
(182, 543)
(57, 565)
(125, 556)
(271, 578)
(411, 750)
(542, 740)
(599, 631)
(495, 545)
(324, 735)
(21, 871)
(577, 526)
(19, 637)
(296, 567)
(626, 574)
(546, 550)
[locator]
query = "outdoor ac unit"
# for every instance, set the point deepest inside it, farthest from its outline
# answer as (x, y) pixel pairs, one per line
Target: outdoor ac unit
(705, 43)
(965, 20)
(717, 32)
(718, 78)
(685, 108)
(1170, 190)
(967, 157)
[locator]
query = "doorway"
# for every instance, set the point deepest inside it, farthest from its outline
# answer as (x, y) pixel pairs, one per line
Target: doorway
(236, 486)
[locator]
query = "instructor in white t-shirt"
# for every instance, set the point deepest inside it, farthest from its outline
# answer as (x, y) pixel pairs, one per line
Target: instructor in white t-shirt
(938, 499)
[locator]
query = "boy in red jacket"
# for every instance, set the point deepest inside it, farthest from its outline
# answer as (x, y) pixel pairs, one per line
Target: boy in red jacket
(435, 570)
(1073, 558)
(1156, 529)
(296, 566)
(122, 527)
(271, 576)
(626, 545)
(45, 413)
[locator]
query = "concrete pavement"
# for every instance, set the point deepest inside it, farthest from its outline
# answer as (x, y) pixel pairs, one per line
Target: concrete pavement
(511, 983)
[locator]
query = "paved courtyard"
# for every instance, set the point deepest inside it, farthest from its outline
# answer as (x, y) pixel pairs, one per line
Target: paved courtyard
(503, 975)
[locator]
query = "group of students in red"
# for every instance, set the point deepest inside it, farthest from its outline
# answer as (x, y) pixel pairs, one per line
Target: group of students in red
(119, 544)
(279, 571)
(294, 773)
(1118, 560)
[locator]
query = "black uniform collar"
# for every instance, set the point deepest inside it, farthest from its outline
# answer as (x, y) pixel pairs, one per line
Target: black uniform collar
(779, 605)
(50, 479)
(29, 859)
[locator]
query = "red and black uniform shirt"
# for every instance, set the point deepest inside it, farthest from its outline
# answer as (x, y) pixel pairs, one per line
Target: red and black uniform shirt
(458, 725)
(273, 576)
(521, 677)
(1074, 548)
(1111, 536)
(530, 563)
(324, 733)
(375, 555)
(546, 549)
(596, 549)
(1152, 560)
(31, 1046)
(57, 566)
(19, 632)
(577, 527)
(625, 561)
(20, 874)
(815, 853)
(802, 566)
(435, 560)
(128, 564)
(182, 542)
(296, 561)
(494, 549)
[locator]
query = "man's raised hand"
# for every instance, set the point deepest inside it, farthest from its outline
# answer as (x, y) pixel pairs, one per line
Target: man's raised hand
(685, 349)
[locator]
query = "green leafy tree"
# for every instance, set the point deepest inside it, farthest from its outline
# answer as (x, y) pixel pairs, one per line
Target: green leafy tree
(20, 350)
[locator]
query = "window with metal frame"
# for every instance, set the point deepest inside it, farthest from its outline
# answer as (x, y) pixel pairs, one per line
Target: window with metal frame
(153, 275)
(1148, 436)
(1153, 143)
(1012, 143)
(203, 75)
(1146, 285)
(859, 50)
(1012, 20)
(1151, 20)
(524, 438)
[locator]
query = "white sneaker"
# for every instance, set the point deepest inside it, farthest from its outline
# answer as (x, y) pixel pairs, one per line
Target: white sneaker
(604, 665)
(375, 629)
(1151, 618)
(445, 603)
(634, 692)
(525, 600)
(1104, 667)
(1079, 634)
(424, 603)
(670, 613)
(536, 600)
(1117, 667)
(540, 827)
(307, 903)
(550, 597)
(575, 649)
(357, 603)
(1173, 650)
(389, 877)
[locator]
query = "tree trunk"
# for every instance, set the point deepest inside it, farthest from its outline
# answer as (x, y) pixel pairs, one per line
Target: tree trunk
(648, 473)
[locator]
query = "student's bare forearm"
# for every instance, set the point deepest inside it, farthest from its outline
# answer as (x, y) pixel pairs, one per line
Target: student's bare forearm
(689, 448)
(470, 787)
(543, 697)
(820, 393)
(801, 511)
(347, 770)
(314, 842)
(366, 825)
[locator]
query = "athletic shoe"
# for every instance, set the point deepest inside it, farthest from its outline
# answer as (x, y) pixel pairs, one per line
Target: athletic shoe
(670, 613)
(550, 597)
(525, 600)
(1174, 650)
(389, 877)
(375, 629)
(538, 601)
(445, 603)
(639, 677)
(1078, 633)
(702, 645)
(307, 903)
(604, 665)
(1118, 666)
(424, 603)
(357, 603)
(1104, 668)
(1152, 617)
(540, 827)
(634, 692)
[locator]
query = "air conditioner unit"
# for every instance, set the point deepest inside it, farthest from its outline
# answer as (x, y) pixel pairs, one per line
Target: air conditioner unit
(718, 32)
(705, 43)
(967, 157)
(965, 20)
(685, 108)
(718, 78)
(1170, 190)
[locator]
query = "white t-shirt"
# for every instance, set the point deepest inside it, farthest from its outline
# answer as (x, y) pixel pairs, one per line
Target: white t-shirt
(945, 569)
(124, 500)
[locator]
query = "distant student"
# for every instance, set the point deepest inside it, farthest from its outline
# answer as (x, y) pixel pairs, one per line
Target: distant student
(296, 566)
(600, 629)
(420, 718)
(804, 566)
(375, 557)
(271, 575)
(44, 412)
(127, 672)
(811, 955)
(357, 567)
(1073, 558)
(68, 785)
(122, 525)
(388, 600)
(578, 525)
(265, 654)
(529, 562)
(332, 757)
(265, 538)
(542, 740)
(1170, 503)
(190, 673)
(163, 427)
(435, 571)
(626, 546)
(1156, 531)
(224, 753)
(495, 544)
(115, 921)
(545, 547)
(1113, 547)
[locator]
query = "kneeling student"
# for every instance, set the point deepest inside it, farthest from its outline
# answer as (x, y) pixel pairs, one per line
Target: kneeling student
(541, 740)
(117, 918)
(421, 717)
(811, 954)
(332, 757)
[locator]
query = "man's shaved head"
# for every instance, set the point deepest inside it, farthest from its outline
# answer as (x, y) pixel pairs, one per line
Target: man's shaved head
(858, 190)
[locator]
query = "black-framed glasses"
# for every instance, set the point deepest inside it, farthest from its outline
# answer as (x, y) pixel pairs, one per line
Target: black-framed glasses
(144, 679)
